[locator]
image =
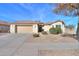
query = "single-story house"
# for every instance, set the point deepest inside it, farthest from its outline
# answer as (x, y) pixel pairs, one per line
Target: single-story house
(26, 27)
(4, 26)
(54, 24)
(34, 26)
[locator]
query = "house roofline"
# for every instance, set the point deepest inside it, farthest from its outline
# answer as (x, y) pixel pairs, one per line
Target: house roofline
(55, 22)
(36, 22)
(27, 22)
(4, 23)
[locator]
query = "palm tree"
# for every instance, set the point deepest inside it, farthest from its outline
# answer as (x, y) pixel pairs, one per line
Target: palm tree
(69, 9)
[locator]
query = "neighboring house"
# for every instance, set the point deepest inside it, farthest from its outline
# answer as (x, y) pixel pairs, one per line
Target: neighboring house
(54, 24)
(26, 27)
(4, 27)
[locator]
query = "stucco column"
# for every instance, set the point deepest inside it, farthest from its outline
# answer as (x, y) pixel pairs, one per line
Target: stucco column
(35, 28)
(63, 29)
(12, 28)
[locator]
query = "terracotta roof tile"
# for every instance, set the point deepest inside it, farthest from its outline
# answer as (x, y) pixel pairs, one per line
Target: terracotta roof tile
(4, 22)
(35, 22)
(55, 22)
(27, 22)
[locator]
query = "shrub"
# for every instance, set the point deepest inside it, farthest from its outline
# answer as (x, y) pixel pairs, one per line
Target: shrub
(59, 30)
(44, 32)
(55, 30)
(52, 31)
(35, 35)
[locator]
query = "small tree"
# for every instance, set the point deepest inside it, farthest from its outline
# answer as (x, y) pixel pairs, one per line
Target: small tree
(68, 9)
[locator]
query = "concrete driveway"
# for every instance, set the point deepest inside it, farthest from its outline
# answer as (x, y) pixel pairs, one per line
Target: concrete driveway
(18, 45)
(9, 43)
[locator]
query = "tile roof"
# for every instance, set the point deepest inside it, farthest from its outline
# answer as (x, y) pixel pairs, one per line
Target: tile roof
(35, 22)
(55, 22)
(4, 22)
(27, 22)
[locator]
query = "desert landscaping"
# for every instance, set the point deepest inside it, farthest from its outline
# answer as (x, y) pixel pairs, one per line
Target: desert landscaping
(53, 39)
(39, 29)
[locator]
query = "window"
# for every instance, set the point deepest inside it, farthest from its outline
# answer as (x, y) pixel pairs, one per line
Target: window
(52, 26)
(58, 26)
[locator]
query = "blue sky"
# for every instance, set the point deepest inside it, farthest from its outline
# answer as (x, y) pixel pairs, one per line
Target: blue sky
(39, 11)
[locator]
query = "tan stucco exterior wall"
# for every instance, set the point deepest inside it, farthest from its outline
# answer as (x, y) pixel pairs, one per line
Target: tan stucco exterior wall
(12, 28)
(35, 28)
(47, 27)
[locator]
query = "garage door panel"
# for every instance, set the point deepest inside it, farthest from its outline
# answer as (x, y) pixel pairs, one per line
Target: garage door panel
(24, 29)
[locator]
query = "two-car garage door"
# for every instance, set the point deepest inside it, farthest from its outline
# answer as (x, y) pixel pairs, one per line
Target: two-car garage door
(24, 28)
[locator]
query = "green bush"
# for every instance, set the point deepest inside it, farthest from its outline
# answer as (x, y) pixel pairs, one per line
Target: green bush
(52, 31)
(59, 30)
(55, 30)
